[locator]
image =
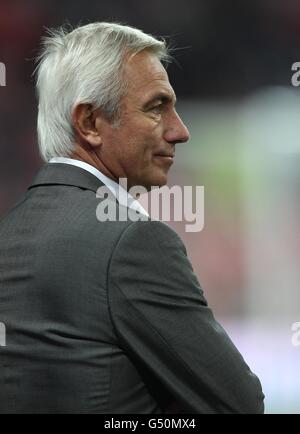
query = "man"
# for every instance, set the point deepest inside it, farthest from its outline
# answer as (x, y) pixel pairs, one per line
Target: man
(107, 317)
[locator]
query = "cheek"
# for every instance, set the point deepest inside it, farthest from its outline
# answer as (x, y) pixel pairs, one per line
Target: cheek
(142, 146)
(139, 140)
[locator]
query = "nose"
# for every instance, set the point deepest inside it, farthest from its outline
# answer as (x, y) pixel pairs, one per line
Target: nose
(176, 132)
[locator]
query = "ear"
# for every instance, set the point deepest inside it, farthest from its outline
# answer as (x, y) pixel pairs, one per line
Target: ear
(87, 124)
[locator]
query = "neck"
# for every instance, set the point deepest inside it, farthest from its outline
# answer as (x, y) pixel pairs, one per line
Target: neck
(93, 159)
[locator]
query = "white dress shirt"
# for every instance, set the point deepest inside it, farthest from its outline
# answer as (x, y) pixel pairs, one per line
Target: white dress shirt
(124, 198)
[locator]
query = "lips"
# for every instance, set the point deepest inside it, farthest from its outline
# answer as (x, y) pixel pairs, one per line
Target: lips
(165, 154)
(164, 158)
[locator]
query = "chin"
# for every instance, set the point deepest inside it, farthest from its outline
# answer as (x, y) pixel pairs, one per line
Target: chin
(158, 182)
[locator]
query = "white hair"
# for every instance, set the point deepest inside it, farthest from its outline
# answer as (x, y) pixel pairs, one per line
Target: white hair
(83, 66)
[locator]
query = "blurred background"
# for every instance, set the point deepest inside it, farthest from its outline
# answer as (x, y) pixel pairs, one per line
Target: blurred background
(233, 82)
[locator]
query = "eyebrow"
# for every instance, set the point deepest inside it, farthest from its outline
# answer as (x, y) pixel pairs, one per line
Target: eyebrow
(163, 97)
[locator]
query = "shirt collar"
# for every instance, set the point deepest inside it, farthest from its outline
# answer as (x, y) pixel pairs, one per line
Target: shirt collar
(124, 198)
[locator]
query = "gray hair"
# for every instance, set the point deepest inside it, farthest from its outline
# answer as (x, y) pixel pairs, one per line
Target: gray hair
(83, 66)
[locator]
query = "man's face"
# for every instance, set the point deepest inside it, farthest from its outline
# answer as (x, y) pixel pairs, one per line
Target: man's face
(149, 126)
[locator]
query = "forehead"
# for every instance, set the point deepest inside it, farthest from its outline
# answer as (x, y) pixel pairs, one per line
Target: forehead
(145, 76)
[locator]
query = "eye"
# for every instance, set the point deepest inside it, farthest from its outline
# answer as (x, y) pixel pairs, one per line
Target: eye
(156, 109)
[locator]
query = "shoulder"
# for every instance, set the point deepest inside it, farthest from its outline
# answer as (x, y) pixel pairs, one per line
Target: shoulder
(149, 236)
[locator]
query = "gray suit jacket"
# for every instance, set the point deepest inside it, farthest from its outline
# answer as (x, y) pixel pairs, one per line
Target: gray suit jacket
(107, 317)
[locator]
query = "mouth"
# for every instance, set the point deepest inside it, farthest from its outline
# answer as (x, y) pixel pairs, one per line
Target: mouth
(165, 156)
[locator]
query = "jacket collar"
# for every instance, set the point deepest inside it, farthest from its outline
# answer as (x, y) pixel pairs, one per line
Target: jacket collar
(65, 174)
